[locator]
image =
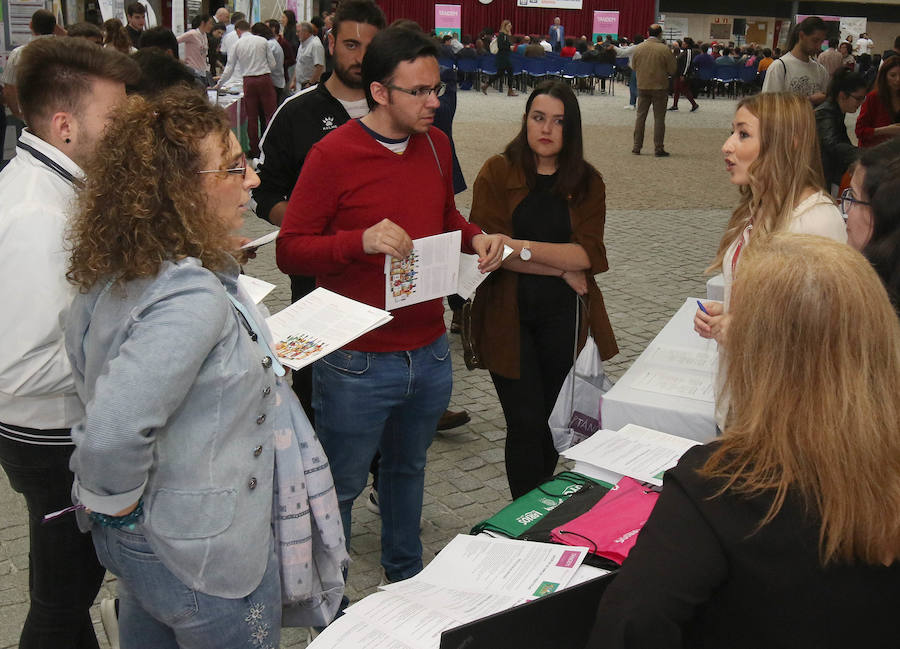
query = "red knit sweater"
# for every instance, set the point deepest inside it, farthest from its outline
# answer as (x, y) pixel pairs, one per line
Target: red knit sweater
(873, 114)
(350, 182)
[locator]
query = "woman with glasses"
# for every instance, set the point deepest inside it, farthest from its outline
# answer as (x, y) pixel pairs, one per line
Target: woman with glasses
(773, 157)
(879, 118)
(550, 204)
(184, 403)
(872, 210)
(845, 95)
(784, 532)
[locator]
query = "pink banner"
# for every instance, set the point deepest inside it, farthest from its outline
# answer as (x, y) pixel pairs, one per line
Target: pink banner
(606, 22)
(447, 17)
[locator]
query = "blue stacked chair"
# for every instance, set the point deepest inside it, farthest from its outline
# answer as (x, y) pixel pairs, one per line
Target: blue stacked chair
(747, 79)
(535, 69)
(606, 71)
(726, 77)
(467, 70)
(487, 66)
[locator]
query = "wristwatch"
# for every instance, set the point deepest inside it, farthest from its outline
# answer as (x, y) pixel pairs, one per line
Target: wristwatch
(525, 252)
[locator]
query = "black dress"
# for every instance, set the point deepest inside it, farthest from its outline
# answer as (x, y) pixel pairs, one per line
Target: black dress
(547, 323)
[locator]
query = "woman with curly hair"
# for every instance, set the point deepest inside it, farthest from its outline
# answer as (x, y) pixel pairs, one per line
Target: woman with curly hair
(773, 157)
(115, 36)
(185, 410)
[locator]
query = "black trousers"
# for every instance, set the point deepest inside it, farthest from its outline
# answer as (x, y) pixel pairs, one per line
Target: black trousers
(545, 357)
(64, 574)
(301, 286)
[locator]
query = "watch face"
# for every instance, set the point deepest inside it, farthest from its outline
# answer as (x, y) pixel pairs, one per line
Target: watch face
(525, 254)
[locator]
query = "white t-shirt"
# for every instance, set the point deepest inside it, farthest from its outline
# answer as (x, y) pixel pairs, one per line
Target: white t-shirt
(863, 45)
(790, 74)
(355, 109)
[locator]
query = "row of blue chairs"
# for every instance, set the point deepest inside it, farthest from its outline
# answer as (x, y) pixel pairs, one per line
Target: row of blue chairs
(529, 71)
(730, 79)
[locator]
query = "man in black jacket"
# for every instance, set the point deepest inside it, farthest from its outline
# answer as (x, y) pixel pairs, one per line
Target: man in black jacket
(845, 95)
(304, 119)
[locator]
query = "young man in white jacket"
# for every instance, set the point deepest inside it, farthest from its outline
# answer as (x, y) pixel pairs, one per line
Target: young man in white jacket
(67, 90)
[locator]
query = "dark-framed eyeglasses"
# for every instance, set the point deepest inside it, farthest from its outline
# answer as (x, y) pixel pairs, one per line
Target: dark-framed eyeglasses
(848, 200)
(422, 92)
(240, 170)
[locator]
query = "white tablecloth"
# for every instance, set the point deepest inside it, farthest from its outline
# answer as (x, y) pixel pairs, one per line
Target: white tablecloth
(715, 288)
(690, 418)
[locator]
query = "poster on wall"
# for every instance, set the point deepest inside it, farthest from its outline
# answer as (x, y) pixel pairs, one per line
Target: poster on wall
(19, 18)
(606, 23)
(448, 20)
(675, 28)
(551, 4)
(851, 26)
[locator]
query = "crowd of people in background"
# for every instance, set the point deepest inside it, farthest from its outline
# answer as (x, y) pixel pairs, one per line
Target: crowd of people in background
(107, 367)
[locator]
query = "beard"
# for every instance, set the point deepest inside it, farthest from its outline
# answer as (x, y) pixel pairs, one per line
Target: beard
(343, 73)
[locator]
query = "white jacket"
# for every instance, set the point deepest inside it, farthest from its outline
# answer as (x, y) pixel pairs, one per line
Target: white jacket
(36, 387)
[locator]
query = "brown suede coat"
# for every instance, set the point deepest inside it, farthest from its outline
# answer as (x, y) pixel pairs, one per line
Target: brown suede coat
(499, 188)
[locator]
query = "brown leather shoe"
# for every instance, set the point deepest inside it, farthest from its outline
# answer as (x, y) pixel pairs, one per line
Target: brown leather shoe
(452, 419)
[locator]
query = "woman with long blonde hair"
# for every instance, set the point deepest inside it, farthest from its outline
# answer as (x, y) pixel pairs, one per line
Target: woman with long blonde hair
(773, 157)
(504, 62)
(786, 531)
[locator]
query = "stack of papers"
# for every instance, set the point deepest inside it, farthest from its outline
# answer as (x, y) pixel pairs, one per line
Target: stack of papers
(320, 323)
(679, 371)
(474, 576)
(634, 451)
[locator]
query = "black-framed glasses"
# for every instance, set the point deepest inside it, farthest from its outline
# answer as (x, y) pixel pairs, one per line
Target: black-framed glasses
(847, 201)
(233, 171)
(422, 92)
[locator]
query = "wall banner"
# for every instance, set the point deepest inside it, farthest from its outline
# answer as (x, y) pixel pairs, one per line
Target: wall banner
(606, 23)
(448, 20)
(551, 4)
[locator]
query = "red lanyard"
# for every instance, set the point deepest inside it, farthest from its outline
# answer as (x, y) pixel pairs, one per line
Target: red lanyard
(737, 252)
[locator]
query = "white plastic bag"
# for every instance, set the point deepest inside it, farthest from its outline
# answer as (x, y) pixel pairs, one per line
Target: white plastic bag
(576, 414)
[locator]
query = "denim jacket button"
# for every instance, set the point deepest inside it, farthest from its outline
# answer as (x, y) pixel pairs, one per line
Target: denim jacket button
(260, 420)
(257, 451)
(252, 483)
(267, 362)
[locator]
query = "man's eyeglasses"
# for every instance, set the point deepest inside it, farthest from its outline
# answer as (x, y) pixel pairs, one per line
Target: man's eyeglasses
(422, 92)
(233, 171)
(847, 201)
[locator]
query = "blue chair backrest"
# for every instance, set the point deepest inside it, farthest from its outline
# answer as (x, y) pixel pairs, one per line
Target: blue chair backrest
(603, 70)
(554, 64)
(467, 65)
(535, 67)
(748, 75)
(488, 64)
(446, 62)
(727, 73)
(622, 62)
(570, 68)
(706, 72)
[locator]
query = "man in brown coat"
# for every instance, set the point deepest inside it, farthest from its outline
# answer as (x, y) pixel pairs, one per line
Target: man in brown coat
(653, 63)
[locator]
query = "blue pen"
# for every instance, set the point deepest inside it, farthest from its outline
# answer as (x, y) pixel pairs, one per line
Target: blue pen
(702, 308)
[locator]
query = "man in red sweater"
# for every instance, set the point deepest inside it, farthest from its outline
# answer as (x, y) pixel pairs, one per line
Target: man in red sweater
(366, 190)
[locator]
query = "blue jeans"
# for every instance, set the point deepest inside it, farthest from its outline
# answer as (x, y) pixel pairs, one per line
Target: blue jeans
(387, 401)
(157, 610)
(632, 88)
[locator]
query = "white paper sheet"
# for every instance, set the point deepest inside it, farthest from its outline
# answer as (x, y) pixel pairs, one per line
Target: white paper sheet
(470, 278)
(430, 271)
(684, 358)
(472, 577)
(319, 324)
(502, 566)
(261, 241)
(640, 453)
(257, 289)
(678, 384)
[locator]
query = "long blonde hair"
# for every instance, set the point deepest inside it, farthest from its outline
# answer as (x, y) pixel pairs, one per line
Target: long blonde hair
(812, 378)
(506, 27)
(788, 165)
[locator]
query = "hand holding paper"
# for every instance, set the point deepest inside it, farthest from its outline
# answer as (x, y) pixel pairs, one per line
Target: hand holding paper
(490, 251)
(388, 238)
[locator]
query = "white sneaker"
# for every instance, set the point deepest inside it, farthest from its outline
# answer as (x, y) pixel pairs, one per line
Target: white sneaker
(109, 617)
(629, 107)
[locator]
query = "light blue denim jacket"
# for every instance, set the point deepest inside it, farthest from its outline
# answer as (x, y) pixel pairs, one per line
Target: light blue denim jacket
(176, 399)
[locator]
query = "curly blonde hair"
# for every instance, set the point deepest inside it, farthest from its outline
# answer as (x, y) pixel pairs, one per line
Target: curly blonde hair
(142, 204)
